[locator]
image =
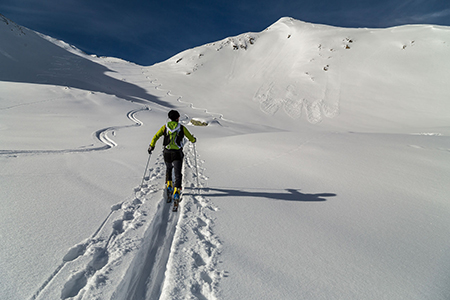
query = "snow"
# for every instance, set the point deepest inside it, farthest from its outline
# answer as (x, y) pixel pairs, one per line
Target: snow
(322, 172)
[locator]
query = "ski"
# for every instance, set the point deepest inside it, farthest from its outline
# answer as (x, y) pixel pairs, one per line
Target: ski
(172, 194)
(175, 205)
(176, 202)
(169, 195)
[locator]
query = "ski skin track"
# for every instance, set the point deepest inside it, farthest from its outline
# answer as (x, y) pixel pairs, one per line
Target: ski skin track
(145, 277)
(141, 280)
(101, 135)
(70, 257)
(204, 283)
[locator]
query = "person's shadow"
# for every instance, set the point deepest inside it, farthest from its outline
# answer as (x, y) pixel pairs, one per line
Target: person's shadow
(285, 195)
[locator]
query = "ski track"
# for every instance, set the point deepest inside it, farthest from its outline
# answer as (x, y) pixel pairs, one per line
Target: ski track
(214, 115)
(191, 250)
(196, 249)
(100, 259)
(31, 103)
(101, 135)
(97, 249)
(174, 243)
(177, 243)
(145, 277)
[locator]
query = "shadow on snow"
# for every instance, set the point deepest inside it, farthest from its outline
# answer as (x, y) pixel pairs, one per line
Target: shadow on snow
(285, 195)
(29, 58)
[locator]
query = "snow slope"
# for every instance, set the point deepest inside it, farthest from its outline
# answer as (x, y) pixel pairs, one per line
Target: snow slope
(322, 174)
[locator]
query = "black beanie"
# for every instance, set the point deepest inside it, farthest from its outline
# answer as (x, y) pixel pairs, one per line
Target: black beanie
(174, 115)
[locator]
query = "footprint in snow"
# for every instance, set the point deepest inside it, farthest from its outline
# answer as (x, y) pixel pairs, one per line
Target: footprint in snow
(79, 280)
(75, 252)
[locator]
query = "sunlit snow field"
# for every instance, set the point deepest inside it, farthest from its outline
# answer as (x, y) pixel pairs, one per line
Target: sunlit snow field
(322, 172)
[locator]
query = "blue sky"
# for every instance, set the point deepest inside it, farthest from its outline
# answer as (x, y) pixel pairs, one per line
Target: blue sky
(148, 31)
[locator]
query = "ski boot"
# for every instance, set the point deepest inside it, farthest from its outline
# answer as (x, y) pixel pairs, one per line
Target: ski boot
(176, 198)
(169, 191)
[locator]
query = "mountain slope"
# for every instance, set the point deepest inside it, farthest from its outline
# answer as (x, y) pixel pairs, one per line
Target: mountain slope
(319, 72)
(321, 174)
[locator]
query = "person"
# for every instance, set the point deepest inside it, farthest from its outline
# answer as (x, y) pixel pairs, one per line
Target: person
(174, 134)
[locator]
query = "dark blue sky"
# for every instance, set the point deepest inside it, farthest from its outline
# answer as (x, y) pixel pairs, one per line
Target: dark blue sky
(148, 31)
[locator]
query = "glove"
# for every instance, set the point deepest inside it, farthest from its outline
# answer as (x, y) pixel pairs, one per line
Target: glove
(150, 149)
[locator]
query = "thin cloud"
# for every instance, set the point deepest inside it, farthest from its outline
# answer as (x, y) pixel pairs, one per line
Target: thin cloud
(418, 11)
(431, 17)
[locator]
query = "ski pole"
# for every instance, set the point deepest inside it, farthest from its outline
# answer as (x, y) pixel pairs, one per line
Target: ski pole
(145, 171)
(196, 168)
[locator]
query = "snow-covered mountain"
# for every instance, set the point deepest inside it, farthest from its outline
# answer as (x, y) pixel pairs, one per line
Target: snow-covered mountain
(321, 174)
(318, 72)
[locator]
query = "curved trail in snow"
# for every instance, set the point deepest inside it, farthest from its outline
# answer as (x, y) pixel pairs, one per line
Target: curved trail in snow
(218, 118)
(158, 247)
(189, 104)
(101, 135)
(171, 243)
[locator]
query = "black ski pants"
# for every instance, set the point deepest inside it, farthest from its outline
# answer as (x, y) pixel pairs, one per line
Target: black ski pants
(174, 162)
